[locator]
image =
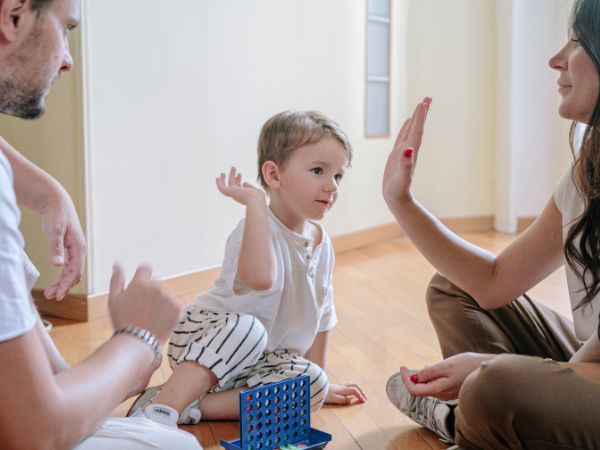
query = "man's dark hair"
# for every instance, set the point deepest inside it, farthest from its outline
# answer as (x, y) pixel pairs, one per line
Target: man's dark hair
(40, 5)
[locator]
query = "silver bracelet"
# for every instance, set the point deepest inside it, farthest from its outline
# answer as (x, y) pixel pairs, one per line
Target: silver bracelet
(144, 335)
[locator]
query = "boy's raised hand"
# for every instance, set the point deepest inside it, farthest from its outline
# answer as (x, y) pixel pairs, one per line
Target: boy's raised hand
(399, 169)
(241, 192)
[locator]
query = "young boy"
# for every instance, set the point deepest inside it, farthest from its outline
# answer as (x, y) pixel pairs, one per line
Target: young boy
(270, 313)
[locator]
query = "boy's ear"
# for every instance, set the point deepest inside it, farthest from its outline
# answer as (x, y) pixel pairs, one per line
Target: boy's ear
(270, 173)
(14, 14)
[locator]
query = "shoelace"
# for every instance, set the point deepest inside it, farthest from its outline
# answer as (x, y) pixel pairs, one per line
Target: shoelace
(422, 409)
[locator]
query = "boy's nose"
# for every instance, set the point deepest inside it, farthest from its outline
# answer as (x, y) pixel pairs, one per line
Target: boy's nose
(331, 186)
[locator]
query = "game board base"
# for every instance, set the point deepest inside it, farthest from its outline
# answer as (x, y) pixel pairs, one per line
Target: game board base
(316, 440)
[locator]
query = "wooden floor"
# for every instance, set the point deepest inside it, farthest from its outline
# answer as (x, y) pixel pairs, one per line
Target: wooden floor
(379, 295)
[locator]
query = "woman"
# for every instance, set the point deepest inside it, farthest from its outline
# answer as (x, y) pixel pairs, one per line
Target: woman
(544, 391)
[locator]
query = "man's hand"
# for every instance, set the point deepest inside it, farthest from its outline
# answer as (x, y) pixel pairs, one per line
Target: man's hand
(344, 394)
(67, 245)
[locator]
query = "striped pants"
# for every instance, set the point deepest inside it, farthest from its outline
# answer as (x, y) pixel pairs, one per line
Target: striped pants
(231, 345)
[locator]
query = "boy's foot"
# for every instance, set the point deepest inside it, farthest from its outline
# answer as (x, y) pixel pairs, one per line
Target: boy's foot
(191, 414)
(143, 407)
(143, 400)
(429, 412)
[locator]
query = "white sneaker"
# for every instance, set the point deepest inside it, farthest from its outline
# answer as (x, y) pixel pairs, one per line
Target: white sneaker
(429, 412)
(163, 414)
(191, 414)
(143, 400)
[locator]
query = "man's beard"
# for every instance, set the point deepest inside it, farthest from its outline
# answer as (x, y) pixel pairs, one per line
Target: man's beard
(20, 102)
(22, 89)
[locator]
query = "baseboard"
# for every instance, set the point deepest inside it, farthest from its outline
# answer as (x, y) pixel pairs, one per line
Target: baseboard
(93, 307)
(362, 238)
(73, 307)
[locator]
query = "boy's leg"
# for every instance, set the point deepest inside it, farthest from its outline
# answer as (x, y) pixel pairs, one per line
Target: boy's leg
(206, 349)
(522, 327)
(188, 381)
(518, 402)
(270, 368)
(285, 364)
(223, 405)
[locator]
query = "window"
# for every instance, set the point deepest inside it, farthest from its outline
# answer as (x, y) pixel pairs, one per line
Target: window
(377, 120)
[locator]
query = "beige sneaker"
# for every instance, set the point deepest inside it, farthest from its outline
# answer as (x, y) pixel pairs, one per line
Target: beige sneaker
(429, 412)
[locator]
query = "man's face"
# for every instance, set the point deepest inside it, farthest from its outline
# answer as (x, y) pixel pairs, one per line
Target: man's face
(38, 60)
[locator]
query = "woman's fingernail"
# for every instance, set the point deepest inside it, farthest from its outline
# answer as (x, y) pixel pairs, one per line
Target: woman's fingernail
(408, 152)
(414, 378)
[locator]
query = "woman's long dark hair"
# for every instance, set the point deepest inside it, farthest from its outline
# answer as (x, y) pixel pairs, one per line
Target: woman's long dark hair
(585, 25)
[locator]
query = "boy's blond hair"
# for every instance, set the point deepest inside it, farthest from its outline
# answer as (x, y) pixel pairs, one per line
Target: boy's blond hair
(285, 132)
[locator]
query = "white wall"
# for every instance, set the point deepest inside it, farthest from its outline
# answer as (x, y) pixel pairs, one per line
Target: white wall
(451, 54)
(174, 95)
(533, 146)
(178, 95)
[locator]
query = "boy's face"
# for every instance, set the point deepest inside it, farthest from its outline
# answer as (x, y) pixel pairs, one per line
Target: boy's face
(309, 180)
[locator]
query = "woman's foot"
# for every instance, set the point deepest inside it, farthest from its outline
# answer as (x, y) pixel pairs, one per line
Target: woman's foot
(430, 412)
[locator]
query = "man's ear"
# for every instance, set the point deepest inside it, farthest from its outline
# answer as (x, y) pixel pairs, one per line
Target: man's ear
(270, 173)
(14, 14)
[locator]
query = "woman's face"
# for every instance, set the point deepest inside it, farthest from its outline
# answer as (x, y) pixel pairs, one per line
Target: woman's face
(578, 81)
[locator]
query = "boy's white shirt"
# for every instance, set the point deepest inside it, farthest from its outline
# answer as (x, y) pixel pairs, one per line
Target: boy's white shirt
(571, 206)
(298, 305)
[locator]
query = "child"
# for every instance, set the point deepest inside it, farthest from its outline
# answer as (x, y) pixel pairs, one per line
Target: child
(270, 313)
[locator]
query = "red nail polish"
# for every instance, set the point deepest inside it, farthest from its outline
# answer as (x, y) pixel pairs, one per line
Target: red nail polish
(408, 152)
(414, 378)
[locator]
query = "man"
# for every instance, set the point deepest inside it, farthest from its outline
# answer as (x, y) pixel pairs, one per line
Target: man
(46, 403)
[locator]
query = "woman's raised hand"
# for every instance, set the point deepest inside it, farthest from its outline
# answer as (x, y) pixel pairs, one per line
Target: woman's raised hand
(241, 192)
(399, 169)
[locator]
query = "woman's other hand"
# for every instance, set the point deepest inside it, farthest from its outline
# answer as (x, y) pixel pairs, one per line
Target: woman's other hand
(443, 380)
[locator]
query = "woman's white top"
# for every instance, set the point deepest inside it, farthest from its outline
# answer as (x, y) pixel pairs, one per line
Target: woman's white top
(571, 205)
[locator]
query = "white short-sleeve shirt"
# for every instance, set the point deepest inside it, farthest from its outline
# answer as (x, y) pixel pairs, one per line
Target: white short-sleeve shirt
(571, 205)
(299, 304)
(17, 273)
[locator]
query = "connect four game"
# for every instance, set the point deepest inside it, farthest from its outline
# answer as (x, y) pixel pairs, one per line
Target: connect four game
(276, 416)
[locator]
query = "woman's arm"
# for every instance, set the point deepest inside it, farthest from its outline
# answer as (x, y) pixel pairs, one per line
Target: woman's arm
(493, 281)
(69, 406)
(38, 191)
(256, 264)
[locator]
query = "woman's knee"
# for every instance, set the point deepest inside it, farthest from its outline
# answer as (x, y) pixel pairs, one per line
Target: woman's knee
(493, 392)
(438, 290)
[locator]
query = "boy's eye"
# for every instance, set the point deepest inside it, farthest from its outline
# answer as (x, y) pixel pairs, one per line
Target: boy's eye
(338, 177)
(317, 171)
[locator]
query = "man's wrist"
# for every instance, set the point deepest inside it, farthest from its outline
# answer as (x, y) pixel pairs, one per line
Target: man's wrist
(143, 335)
